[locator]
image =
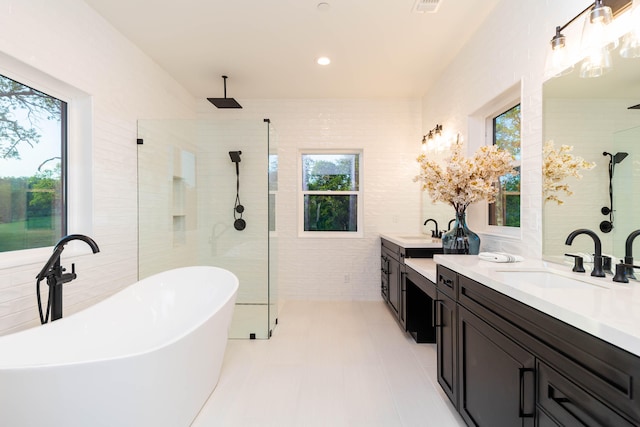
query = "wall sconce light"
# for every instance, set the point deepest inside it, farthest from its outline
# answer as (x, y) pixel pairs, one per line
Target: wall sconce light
(433, 134)
(596, 43)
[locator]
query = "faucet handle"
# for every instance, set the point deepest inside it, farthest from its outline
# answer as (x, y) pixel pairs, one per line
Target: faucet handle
(622, 272)
(578, 263)
(597, 267)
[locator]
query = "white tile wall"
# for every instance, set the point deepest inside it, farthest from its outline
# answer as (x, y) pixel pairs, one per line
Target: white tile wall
(66, 40)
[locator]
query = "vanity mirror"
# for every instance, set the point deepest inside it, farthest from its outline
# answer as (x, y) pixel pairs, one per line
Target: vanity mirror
(596, 116)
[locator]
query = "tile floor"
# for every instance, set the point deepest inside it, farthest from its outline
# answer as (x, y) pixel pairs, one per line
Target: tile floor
(330, 364)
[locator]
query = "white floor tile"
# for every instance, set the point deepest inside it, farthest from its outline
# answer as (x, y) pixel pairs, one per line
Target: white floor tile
(330, 364)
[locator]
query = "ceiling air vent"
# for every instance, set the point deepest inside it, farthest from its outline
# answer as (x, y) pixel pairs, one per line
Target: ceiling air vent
(426, 6)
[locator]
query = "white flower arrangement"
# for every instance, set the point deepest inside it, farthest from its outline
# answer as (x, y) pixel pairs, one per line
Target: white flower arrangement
(465, 180)
(558, 164)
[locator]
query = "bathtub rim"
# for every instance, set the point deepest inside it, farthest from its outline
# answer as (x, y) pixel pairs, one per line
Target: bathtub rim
(41, 329)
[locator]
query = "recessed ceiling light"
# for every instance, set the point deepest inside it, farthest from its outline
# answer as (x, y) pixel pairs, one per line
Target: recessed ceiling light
(323, 7)
(324, 60)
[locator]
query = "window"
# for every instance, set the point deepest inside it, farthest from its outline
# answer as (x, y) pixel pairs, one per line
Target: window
(506, 135)
(32, 167)
(330, 197)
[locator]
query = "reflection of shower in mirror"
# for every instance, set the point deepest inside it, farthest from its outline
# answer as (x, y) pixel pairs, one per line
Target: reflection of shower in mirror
(614, 159)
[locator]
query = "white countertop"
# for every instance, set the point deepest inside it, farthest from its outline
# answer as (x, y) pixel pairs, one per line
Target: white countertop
(412, 241)
(610, 311)
(424, 266)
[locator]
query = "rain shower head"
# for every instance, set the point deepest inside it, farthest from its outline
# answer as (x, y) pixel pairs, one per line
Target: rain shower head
(224, 102)
(235, 156)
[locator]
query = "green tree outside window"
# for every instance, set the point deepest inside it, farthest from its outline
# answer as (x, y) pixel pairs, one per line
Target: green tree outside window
(32, 129)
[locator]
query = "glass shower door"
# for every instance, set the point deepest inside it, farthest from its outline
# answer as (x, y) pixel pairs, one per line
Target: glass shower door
(187, 191)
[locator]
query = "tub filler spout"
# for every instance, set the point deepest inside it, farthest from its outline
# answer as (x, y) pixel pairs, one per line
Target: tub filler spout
(55, 276)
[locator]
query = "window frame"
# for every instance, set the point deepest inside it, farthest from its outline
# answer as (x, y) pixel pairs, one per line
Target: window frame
(517, 162)
(481, 133)
(359, 233)
(78, 190)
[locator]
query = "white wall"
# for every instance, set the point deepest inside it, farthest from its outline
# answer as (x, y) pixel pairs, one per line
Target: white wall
(71, 44)
(510, 47)
(389, 133)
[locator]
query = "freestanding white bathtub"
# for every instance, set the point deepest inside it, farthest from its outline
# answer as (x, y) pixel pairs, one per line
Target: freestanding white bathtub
(148, 356)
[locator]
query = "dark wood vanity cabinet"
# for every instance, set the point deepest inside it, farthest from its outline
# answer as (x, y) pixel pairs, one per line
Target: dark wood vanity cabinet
(517, 366)
(401, 296)
(392, 270)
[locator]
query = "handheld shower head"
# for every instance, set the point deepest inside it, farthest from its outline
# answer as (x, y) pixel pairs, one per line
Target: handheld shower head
(616, 158)
(619, 157)
(235, 156)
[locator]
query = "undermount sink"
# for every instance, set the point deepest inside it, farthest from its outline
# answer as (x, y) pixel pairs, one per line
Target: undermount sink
(546, 279)
(423, 237)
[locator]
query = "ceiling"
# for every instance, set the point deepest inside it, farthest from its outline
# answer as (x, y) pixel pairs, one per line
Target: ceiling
(268, 48)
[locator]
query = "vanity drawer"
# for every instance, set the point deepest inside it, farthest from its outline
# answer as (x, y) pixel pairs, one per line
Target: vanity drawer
(607, 371)
(567, 404)
(447, 282)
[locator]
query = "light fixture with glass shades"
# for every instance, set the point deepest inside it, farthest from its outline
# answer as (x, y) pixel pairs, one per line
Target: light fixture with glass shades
(631, 41)
(599, 38)
(433, 134)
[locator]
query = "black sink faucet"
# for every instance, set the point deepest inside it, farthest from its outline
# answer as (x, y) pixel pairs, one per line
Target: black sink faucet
(451, 221)
(597, 258)
(434, 233)
(55, 275)
(628, 252)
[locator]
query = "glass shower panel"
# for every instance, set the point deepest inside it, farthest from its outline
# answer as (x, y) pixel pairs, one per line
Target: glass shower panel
(188, 189)
(273, 231)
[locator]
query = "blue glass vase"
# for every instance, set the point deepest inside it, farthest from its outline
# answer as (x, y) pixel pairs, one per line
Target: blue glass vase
(461, 240)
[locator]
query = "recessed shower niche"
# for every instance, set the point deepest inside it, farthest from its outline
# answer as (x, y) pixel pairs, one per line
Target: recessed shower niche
(184, 208)
(187, 188)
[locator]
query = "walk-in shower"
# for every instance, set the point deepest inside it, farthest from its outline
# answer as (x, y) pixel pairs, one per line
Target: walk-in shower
(187, 188)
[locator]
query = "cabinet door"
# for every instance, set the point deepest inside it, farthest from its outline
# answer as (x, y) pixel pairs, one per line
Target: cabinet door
(402, 308)
(384, 276)
(446, 344)
(496, 376)
(394, 285)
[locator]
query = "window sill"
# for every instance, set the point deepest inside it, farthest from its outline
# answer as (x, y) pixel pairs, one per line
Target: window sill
(329, 235)
(15, 259)
(510, 233)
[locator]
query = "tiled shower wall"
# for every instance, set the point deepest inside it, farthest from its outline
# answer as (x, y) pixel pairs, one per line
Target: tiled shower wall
(69, 42)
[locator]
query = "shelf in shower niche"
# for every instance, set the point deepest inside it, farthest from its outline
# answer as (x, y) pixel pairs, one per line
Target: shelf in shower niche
(179, 230)
(179, 192)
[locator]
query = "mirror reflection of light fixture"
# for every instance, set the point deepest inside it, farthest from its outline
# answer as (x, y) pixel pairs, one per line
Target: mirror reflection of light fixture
(597, 42)
(631, 41)
(433, 135)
